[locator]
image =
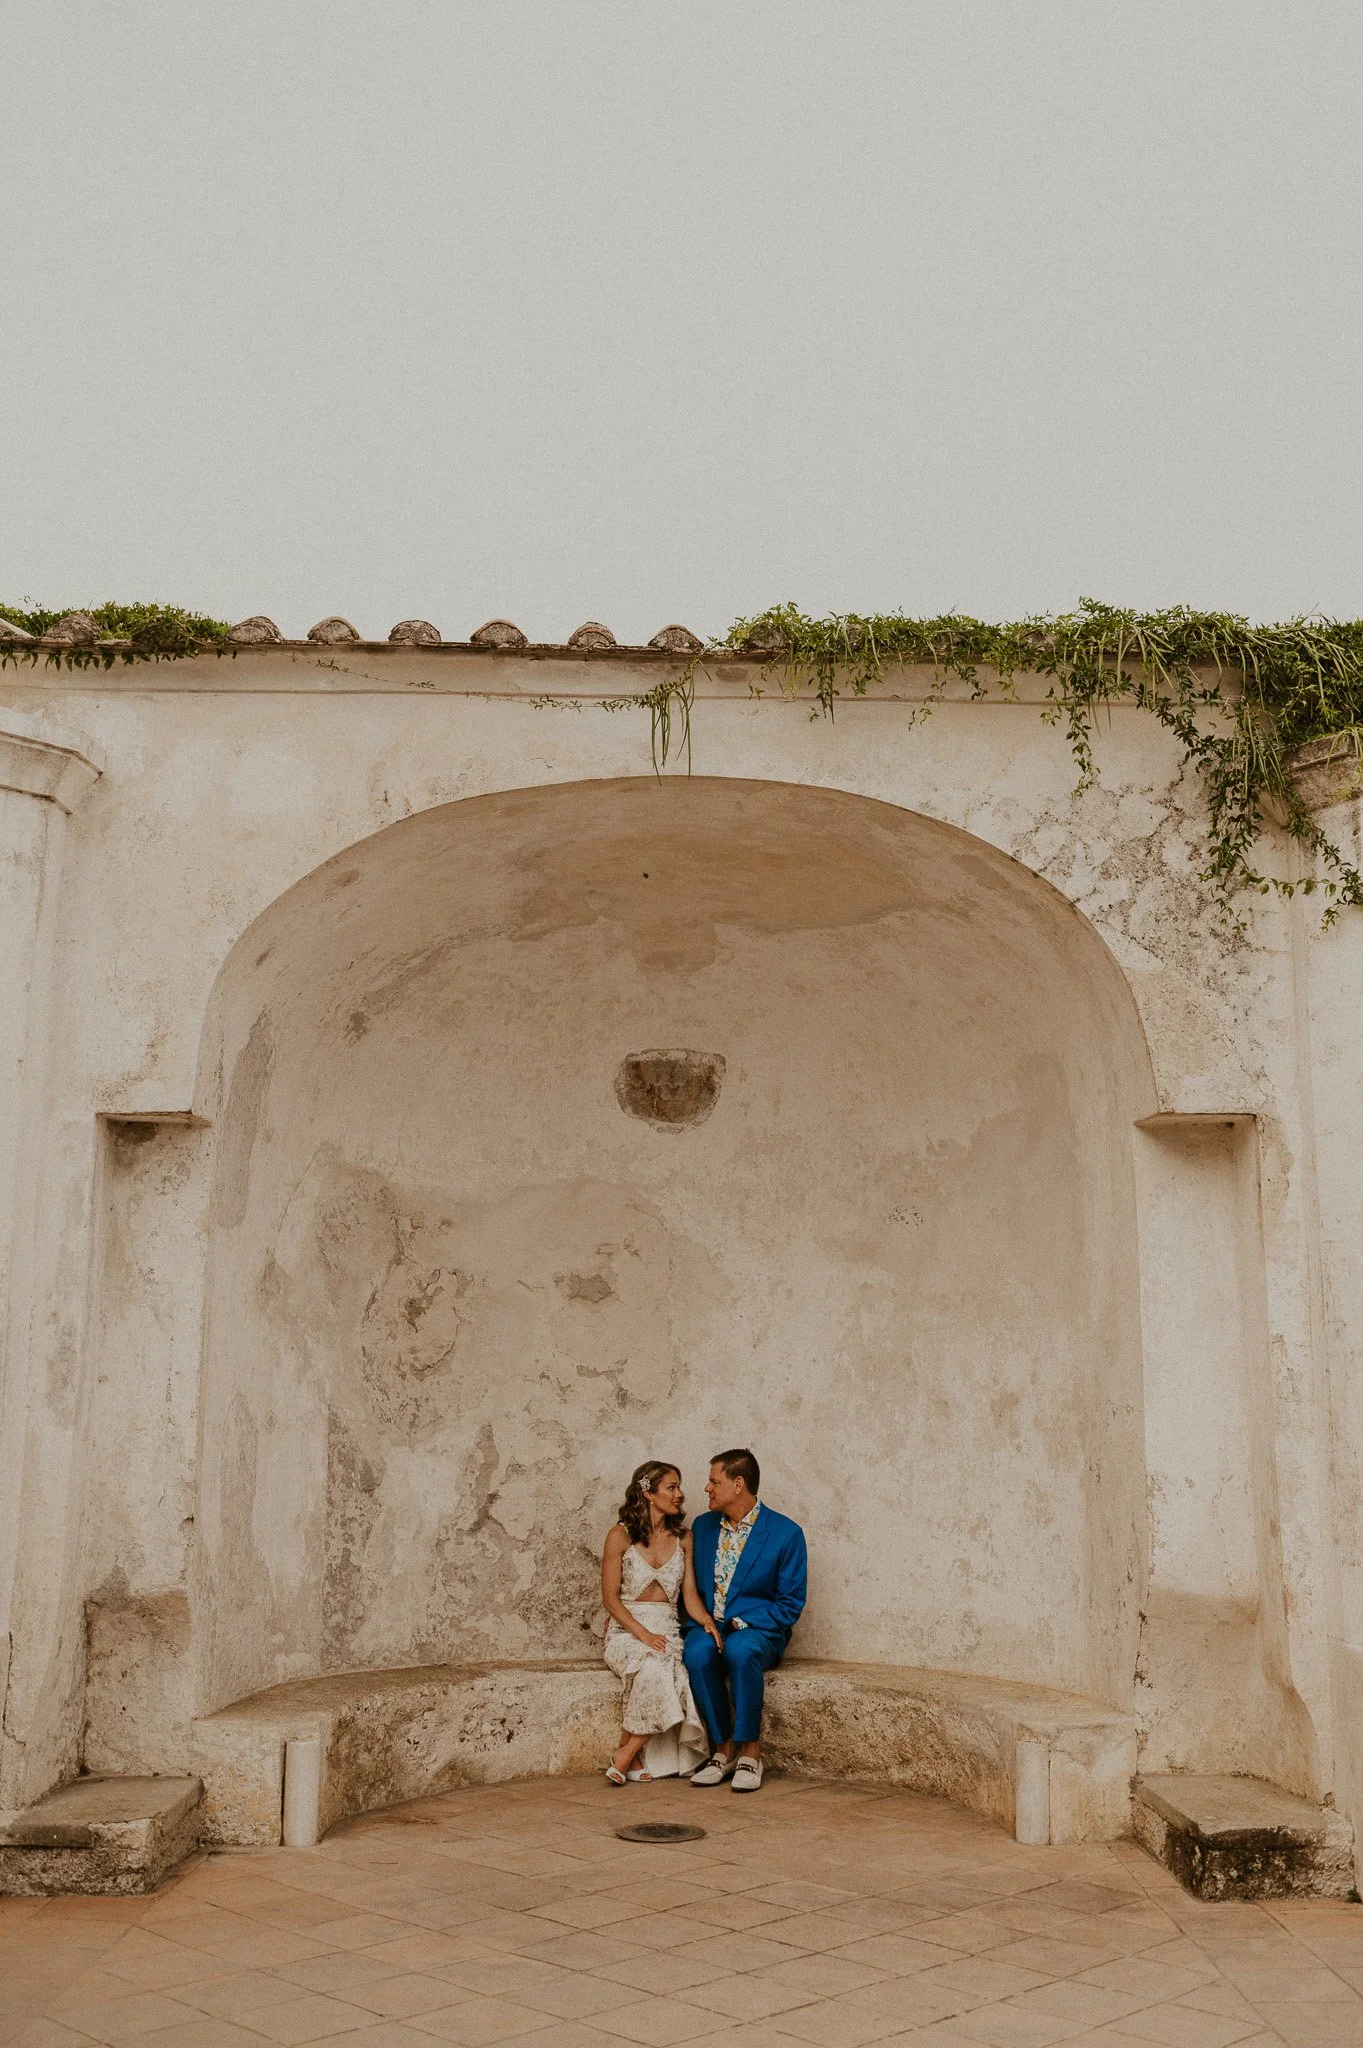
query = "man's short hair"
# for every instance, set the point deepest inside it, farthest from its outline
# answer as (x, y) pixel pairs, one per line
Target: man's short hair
(740, 1465)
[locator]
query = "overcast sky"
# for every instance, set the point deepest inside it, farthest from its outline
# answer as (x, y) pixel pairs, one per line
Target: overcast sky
(641, 312)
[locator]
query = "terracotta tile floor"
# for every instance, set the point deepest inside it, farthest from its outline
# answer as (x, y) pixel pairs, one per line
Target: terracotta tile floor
(816, 1914)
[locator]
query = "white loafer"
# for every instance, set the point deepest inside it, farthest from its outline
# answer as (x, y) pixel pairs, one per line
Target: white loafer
(747, 1774)
(716, 1771)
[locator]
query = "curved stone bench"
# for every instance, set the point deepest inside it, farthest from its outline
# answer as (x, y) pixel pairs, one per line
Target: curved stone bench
(389, 1736)
(955, 1736)
(392, 1735)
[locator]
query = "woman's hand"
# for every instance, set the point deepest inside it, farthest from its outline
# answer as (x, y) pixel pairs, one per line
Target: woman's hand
(650, 1641)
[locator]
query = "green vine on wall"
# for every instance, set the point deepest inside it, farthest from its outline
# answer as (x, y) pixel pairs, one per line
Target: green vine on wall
(668, 704)
(127, 632)
(1239, 699)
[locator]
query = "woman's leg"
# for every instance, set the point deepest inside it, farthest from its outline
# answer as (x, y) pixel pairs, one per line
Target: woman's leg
(639, 1669)
(630, 1747)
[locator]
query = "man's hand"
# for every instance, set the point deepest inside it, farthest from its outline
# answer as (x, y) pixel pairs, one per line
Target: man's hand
(712, 1631)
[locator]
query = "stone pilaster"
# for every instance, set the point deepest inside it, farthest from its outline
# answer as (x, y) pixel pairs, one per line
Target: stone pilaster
(1329, 1003)
(40, 784)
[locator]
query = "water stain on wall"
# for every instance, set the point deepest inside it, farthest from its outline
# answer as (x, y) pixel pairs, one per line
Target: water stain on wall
(245, 1100)
(352, 1488)
(469, 1359)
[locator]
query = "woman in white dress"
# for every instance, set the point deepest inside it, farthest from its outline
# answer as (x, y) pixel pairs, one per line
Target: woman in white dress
(645, 1565)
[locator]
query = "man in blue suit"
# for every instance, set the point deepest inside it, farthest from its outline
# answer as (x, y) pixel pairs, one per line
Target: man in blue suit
(750, 1568)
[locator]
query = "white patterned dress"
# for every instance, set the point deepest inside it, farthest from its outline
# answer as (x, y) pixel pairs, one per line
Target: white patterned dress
(658, 1701)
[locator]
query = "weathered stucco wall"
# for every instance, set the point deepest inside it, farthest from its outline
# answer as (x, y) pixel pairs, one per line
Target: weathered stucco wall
(1329, 982)
(457, 1293)
(1214, 1684)
(152, 1181)
(933, 1037)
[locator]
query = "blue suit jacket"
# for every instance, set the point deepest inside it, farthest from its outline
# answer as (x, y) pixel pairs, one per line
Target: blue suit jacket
(767, 1590)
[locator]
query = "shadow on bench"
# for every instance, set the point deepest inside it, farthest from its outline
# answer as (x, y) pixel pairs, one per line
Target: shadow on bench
(388, 1736)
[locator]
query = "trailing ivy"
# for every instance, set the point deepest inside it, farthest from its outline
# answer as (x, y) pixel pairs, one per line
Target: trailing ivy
(1239, 699)
(668, 701)
(129, 632)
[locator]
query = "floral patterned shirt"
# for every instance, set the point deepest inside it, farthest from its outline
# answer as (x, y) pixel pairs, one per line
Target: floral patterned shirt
(732, 1537)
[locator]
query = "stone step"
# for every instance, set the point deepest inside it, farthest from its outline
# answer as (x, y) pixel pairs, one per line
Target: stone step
(120, 1835)
(1242, 1838)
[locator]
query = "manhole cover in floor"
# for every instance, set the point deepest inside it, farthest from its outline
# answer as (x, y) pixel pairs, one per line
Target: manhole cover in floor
(660, 1831)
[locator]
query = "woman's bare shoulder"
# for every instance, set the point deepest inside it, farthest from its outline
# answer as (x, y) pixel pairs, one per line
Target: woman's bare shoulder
(617, 1539)
(686, 1539)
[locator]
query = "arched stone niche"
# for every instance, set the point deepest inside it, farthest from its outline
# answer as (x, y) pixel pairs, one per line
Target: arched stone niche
(455, 1295)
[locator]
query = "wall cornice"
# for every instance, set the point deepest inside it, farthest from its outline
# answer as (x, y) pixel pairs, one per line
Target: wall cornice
(32, 767)
(548, 673)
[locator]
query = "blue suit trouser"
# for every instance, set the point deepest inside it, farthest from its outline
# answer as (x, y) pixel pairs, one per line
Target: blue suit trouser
(729, 1688)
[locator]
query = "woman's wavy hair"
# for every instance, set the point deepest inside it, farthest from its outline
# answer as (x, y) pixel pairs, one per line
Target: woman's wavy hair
(634, 1509)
